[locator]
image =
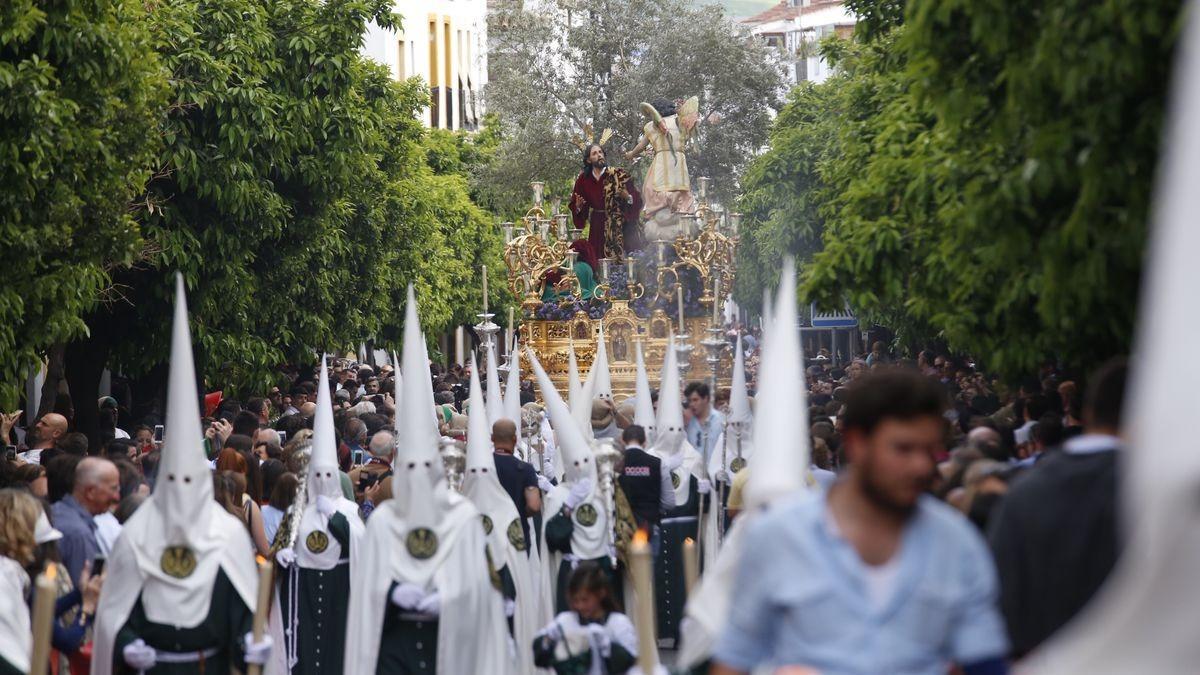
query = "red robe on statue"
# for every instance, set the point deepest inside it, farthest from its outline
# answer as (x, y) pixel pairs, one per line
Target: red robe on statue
(613, 218)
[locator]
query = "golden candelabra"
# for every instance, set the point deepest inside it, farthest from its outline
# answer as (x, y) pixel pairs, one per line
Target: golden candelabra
(532, 253)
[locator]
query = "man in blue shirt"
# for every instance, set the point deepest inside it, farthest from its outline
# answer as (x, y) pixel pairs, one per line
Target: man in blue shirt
(874, 576)
(96, 489)
(706, 424)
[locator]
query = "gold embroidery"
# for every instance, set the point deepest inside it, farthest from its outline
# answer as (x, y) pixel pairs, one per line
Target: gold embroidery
(421, 542)
(178, 561)
(317, 541)
(516, 536)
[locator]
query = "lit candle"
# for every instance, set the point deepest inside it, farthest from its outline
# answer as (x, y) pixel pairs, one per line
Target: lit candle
(643, 586)
(485, 289)
(46, 590)
(679, 295)
(629, 270)
(262, 609)
(691, 564)
(508, 344)
(508, 232)
(716, 300)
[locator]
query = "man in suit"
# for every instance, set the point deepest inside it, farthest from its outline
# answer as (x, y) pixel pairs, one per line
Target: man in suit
(1054, 536)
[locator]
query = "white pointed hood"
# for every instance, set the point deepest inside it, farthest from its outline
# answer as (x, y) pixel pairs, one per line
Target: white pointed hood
(184, 489)
(495, 400)
(740, 417)
(324, 476)
(480, 483)
(512, 390)
(670, 433)
(574, 384)
(600, 376)
(781, 446)
(643, 414)
(578, 461)
(419, 484)
(398, 384)
(581, 404)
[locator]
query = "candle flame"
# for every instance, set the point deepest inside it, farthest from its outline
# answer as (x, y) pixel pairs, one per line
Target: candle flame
(641, 538)
(51, 572)
(261, 560)
(689, 542)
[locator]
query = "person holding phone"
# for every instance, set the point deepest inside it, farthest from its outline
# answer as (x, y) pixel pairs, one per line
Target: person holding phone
(373, 470)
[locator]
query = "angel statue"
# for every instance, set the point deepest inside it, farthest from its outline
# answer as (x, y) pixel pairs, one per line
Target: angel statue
(667, 190)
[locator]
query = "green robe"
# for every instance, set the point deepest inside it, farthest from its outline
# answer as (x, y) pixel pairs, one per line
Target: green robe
(587, 282)
(228, 621)
(670, 588)
(408, 643)
(322, 599)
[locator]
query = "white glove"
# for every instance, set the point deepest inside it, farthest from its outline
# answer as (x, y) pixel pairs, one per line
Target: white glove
(545, 484)
(139, 655)
(660, 669)
(579, 492)
(324, 505)
(722, 476)
(407, 596)
(704, 487)
(257, 653)
(285, 557)
(612, 553)
(548, 463)
(598, 636)
(672, 461)
(510, 607)
(430, 604)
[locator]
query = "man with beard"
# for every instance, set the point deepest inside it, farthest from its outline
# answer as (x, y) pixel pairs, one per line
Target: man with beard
(891, 580)
(606, 200)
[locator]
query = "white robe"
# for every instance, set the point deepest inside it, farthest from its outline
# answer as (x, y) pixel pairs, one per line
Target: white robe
(16, 640)
(134, 571)
(472, 631)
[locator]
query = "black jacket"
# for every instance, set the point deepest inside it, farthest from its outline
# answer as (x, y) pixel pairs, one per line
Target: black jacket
(1055, 541)
(642, 482)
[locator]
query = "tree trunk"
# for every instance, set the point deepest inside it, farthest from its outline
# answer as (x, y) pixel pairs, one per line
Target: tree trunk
(84, 361)
(54, 375)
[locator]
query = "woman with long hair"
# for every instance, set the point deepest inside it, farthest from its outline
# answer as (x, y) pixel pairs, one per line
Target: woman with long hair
(19, 513)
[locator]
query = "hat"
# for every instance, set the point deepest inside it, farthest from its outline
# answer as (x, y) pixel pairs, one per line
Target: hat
(107, 402)
(44, 532)
(602, 415)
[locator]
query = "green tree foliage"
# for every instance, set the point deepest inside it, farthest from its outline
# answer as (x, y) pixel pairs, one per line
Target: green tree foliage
(561, 66)
(297, 199)
(989, 179)
(80, 92)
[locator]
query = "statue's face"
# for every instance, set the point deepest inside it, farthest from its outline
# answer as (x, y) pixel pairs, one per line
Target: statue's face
(596, 156)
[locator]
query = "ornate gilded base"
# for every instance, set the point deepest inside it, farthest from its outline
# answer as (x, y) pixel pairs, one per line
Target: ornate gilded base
(550, 340)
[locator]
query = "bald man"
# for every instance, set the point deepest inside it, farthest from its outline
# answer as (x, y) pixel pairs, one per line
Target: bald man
(517, 478)
(43, 436)
(97, 488)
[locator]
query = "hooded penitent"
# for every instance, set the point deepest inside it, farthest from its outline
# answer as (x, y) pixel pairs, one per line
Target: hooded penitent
(173, 546)
(599, 374)
(427, 536)
(501, 522)
(324, 478)
(590, 535)
(737, 446)
(778, 468)
(643, 414)
(581, 404)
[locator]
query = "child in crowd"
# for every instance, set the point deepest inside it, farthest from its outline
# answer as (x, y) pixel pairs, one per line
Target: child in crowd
(593, 638)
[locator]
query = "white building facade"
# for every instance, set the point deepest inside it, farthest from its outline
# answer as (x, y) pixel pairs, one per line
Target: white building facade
(444, 42)
(796, 27)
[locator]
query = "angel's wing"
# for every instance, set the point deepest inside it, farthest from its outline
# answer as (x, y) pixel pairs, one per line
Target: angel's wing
(689, 115)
